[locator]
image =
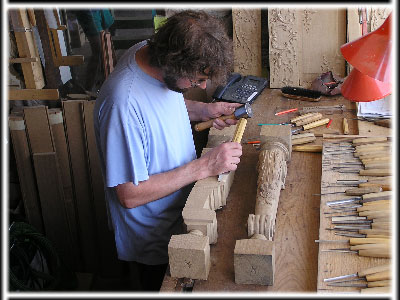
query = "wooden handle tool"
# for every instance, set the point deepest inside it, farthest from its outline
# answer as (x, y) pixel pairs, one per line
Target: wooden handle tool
(363, 190)
(309, 119)
(316, 124)
(376, 172)
(368, 140)
(345, 126)
(308, 148)
(301, 117)
(376, 290)
(208, 124)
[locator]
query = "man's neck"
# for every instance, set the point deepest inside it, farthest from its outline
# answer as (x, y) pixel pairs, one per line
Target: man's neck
(143, 59)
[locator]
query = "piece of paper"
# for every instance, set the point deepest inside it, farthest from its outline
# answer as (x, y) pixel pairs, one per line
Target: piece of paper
(381, 108)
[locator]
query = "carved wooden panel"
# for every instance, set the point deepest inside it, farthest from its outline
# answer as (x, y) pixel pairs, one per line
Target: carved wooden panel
(247, 41)
(378, 15)
(305, 43)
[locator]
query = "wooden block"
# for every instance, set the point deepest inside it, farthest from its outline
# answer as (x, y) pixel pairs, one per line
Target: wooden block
(55, 219)
(254, 261)
(280, 133)
(76, 142)
(204, 220)
(33, 94)
(26, 174)
(189, 256)
(38, 129)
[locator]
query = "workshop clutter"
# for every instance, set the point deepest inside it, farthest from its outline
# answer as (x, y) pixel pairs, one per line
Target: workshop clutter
(61, 182)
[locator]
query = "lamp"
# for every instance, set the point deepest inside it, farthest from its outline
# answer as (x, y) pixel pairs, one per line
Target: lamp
(370, 56)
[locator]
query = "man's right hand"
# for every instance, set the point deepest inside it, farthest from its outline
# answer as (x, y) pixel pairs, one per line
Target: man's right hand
(223, 158)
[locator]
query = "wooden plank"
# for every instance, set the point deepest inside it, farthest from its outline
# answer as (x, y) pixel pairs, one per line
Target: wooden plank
(33, 94)
(33, 73)
(60, 144)
(55, 219)
(247, 41)
(52, 72)
(108, 252)
(331, 264)
(26, 174)
(38, 129)
(80, 173)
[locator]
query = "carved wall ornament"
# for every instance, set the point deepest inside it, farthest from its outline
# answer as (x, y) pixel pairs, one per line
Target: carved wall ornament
(307, 18)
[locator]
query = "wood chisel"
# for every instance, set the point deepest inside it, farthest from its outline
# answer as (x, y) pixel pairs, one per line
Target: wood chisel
(369, 140)
(371, 250)
(311, 125)
(333, 108)
(366, 274)
(314, 117)
(301, 117)
(376, 290)
(356, 191)
(358, 241)
(372, 284)
(369, 172)
(307, 148)
(380, 122)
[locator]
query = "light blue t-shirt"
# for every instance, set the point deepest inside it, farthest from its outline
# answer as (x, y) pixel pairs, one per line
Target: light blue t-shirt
(142, 128)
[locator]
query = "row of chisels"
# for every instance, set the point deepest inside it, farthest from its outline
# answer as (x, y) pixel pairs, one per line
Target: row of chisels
(360, 209)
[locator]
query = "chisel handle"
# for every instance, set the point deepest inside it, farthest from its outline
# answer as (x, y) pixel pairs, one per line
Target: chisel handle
(362, 241)
(386, 214)
(374, 253)
(376, 172)
(384, 123)
(375, 231)
(373, 250)
(304, 140)
(208, 124)
(378, 207)
(380, 275)
(374, 160)
(379, 283)
(308, 148)
(368, 140)
(363, 190)
(309, 119)
(345, 126)
(301, 117)
(372, 154)
(376, 290)
(385, 187)
(316, 124)
(372, 270)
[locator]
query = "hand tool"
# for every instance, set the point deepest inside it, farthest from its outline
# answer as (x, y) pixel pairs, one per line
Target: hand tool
(339, 107)
(364, 273)
(286, 111)
(311, 125)
(243, 111)
(301, 117)
(379, 283)
(309, 119)
(299, 93)
(356, 191)
(329, 123)
(364, 198)
(261, 124)
(368, 140)
(384, 122)
(370, 172)
(308, 148)
(376, 290)
(345, 126)
(358, 241)
(237, 137)
(370, 250)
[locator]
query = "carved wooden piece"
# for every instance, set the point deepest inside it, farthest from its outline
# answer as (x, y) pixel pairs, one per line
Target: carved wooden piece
(189, 254)
(254, 258)
(247, 41)
(293, 35)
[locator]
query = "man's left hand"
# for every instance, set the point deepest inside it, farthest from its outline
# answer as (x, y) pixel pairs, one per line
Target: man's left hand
(217, 109)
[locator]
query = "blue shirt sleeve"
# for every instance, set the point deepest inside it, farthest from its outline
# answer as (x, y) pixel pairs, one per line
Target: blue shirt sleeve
(123, 146)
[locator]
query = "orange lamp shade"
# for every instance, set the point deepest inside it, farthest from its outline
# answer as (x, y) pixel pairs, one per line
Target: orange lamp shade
(371, 54)
(362, 88)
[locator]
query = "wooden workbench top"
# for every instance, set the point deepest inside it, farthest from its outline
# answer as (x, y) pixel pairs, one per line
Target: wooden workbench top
(297, 222)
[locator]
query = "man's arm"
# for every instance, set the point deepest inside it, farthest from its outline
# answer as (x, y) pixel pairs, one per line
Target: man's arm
(200, 111)
(221, 159)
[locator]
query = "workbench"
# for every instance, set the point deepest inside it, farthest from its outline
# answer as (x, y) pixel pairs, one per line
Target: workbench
(298, 217)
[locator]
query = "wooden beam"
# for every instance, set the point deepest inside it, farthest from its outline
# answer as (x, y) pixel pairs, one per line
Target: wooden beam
(52, 202)
(76, 141)
(33, 94)
(26, 174)
(33, 73)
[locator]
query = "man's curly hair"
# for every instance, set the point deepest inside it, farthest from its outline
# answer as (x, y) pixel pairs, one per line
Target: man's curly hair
(190, 42)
